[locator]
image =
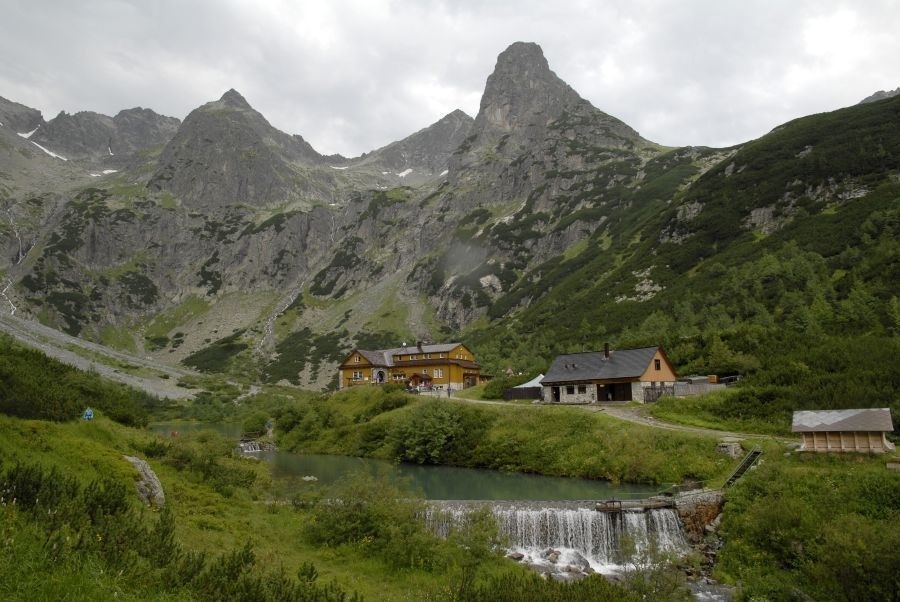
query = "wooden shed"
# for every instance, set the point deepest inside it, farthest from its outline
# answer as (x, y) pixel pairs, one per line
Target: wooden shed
(844, 430)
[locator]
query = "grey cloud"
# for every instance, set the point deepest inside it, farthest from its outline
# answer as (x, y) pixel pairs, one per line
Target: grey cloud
(350, 76)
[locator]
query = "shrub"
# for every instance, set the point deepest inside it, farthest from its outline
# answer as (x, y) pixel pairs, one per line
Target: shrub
(372, 513)
(436, 432)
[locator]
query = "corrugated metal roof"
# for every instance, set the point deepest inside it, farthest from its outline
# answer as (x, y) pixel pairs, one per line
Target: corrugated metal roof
(593, 365)
(872, 419)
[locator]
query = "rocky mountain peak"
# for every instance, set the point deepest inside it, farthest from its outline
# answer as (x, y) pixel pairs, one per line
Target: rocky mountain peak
(425, 153)
(233, 99)
(235, 156)
(521, 56)
(523, 90)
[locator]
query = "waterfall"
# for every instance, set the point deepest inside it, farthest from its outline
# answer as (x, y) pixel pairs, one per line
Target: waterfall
(580, 536)
(249, 447)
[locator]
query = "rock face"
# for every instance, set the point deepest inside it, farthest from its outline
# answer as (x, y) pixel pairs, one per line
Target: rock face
(880, 95)
(425, 153)
(149, 489)
(537, 143)
(18, 117)
(226, 153)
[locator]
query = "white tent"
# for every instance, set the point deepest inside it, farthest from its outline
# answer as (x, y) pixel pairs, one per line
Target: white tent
(533, 383)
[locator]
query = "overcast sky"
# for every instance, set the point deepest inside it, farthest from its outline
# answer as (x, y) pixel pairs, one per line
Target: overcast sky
(352, 76)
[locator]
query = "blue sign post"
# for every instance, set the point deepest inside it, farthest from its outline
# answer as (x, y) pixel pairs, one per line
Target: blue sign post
(88, 414)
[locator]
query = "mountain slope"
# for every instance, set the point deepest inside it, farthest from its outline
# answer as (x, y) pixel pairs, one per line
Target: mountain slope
(556, 227)
(778, 263)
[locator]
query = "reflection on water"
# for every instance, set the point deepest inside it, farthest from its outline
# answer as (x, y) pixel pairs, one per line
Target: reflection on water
(229, 431)
(449, 482)
(432, 482)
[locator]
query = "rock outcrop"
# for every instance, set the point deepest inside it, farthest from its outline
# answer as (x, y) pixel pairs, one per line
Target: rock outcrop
(18, 117)
(149, 489)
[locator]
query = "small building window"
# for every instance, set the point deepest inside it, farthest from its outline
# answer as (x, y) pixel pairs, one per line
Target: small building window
(356, 359)
(357, 375)
(657, 365)
(582, 389)
(439, 372)
(443, 355)
(424, 370)
(427, 356)
(570, 389)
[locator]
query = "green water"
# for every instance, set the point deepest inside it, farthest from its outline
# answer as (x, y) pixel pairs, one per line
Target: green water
(432, 482)
(449, 482)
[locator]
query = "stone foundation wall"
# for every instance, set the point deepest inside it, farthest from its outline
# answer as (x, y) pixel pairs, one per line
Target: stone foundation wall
(698, 510)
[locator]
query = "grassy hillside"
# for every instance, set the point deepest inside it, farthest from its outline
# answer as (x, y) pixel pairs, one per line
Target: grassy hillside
(813, 526)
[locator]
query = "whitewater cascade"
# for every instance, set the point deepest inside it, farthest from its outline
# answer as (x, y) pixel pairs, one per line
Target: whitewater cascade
(249, 447)
(580, 535)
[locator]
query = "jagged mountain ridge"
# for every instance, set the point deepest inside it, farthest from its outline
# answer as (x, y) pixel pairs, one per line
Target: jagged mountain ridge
(880, 95)
(254, 235)
(91, 136)
(424, 153)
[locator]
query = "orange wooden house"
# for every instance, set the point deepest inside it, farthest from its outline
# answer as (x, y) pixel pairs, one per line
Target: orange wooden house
(428, 366)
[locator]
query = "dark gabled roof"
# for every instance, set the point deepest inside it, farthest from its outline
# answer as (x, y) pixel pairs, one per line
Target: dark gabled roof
(385, 357)
(593, 365)
(376, 358)
(413, 349)
(878, 420)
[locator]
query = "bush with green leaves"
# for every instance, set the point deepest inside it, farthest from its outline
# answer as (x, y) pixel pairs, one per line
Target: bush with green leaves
(814, 526)
(436, 432)
(371, 514)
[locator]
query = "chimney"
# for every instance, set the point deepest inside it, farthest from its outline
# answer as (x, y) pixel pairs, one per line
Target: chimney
(606, 351)
(419, 345)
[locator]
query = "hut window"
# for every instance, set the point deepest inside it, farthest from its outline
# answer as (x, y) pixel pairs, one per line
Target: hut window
(570, 389)
(356, 359)
(582, 389)
(657, 365)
